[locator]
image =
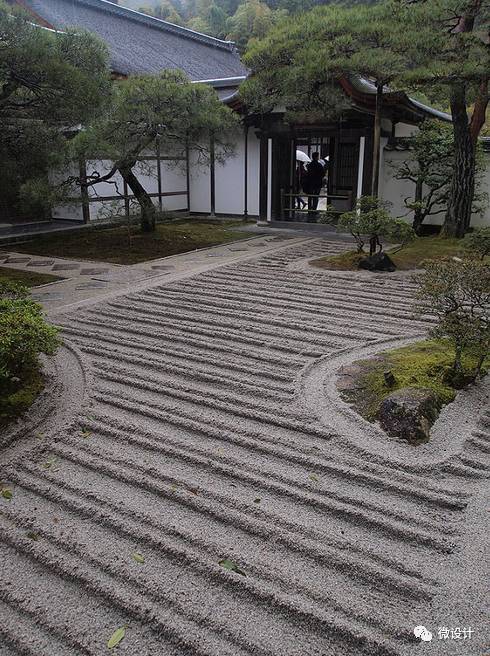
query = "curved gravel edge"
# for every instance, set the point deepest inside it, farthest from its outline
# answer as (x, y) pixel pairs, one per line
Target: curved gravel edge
(58, 404)
(317, 391)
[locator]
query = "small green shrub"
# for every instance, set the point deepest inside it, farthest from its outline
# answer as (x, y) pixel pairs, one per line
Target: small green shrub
(371, 217)
(478, 242)
(456, 292)
(24, 335)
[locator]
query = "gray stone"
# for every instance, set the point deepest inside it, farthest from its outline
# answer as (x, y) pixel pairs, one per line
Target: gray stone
(17, 260)
(65, 267)
(378, 262)
(48, 296)
(93, 272)
(41, 263)
(162, 267)
(409, 413)
(91, 285)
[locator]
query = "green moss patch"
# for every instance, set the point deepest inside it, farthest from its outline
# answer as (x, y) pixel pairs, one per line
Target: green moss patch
(410, 257)
(19, 397)
(113, 244)
(27, 278)
(421, 365)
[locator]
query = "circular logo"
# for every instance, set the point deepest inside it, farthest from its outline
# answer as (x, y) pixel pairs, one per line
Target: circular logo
(423, 633)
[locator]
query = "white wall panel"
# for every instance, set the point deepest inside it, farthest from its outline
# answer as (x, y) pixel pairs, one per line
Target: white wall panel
(199, 185)
(230, 179)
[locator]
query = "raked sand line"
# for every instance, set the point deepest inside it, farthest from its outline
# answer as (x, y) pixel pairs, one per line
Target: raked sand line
(203, 434)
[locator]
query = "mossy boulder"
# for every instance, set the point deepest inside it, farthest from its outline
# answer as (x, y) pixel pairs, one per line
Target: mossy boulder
(409, 413)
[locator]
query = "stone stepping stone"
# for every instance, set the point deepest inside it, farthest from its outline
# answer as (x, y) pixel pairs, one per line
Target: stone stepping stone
(41, 263)
(17, 260)
(91, 285)
(49, 296)
(162, 267)
(215, 254)
(258, 245)
(66, 267)
(238, 248)
(93, 272)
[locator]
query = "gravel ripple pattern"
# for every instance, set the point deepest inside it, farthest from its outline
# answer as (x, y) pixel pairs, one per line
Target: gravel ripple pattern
(194, 445)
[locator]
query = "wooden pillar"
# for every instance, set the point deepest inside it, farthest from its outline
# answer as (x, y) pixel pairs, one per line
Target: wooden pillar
(269, 179)
(159, 173)
(377, 140)
(212, 173)
(360, 169)
(245, 180)
(188, 177)
(263, 177)
(84, 191)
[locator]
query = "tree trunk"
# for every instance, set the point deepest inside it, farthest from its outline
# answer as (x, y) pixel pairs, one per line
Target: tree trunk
(377, 139)
(148, 210)
(419, 215)
(462, 189)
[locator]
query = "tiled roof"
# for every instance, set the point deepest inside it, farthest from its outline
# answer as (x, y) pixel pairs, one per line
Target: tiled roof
(142, 44)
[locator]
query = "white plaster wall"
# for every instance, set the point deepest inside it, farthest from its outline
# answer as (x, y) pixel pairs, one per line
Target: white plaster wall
(229, 180)
(253, 173)
(174, 178)
(199, 185)
(395, 191)
(69, 211)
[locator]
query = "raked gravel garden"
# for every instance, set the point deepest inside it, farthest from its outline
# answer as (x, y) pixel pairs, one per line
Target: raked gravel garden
(191, 482)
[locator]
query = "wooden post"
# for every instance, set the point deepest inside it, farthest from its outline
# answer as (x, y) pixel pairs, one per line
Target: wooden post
(188, 177)
(282, 204)
(360, 166)
(263, 180)
(159, 173)
(212, 173)
(377, 139)
(84, 191)
(245, 181)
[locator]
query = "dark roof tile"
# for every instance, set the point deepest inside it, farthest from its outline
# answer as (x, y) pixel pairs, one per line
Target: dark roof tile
(143, 44)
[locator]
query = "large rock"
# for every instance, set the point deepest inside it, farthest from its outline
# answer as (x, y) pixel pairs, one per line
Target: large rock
(377, 262)
(409, 413)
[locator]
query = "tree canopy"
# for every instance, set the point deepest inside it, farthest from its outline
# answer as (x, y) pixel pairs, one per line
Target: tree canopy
(49, 82)
(438, 47)
(144, 108)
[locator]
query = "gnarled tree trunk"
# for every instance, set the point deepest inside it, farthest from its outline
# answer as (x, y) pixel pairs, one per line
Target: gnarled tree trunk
(458, 215)
(148, 211)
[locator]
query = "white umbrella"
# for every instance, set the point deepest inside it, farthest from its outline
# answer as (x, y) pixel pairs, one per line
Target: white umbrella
(302, 157)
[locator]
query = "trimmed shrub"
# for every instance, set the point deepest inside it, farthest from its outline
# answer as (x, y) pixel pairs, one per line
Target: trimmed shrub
(24, 335)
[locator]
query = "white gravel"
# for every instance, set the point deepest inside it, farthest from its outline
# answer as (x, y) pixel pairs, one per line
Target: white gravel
(194, 427)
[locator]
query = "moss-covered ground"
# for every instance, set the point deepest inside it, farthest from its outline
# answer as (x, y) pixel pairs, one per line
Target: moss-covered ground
(411, 256)
(27, 278)
(113, 244)
(15, 401)
(420, 365)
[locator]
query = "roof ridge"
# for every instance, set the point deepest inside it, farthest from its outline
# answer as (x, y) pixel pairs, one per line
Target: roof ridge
(158, 23)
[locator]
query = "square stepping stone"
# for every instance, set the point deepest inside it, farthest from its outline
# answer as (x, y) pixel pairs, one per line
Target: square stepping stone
(238, 248)
(66, 267)
(91, 285)
(48, 296)
(17, 260)
(93, 272)
(215, 254)
(163, 267)
(40, 263)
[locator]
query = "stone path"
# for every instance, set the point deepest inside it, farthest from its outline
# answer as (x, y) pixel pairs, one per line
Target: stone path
(84, 280)
(260, 526)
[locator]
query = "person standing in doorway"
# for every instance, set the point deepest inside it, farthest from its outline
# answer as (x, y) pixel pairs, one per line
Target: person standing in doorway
(314, 175)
